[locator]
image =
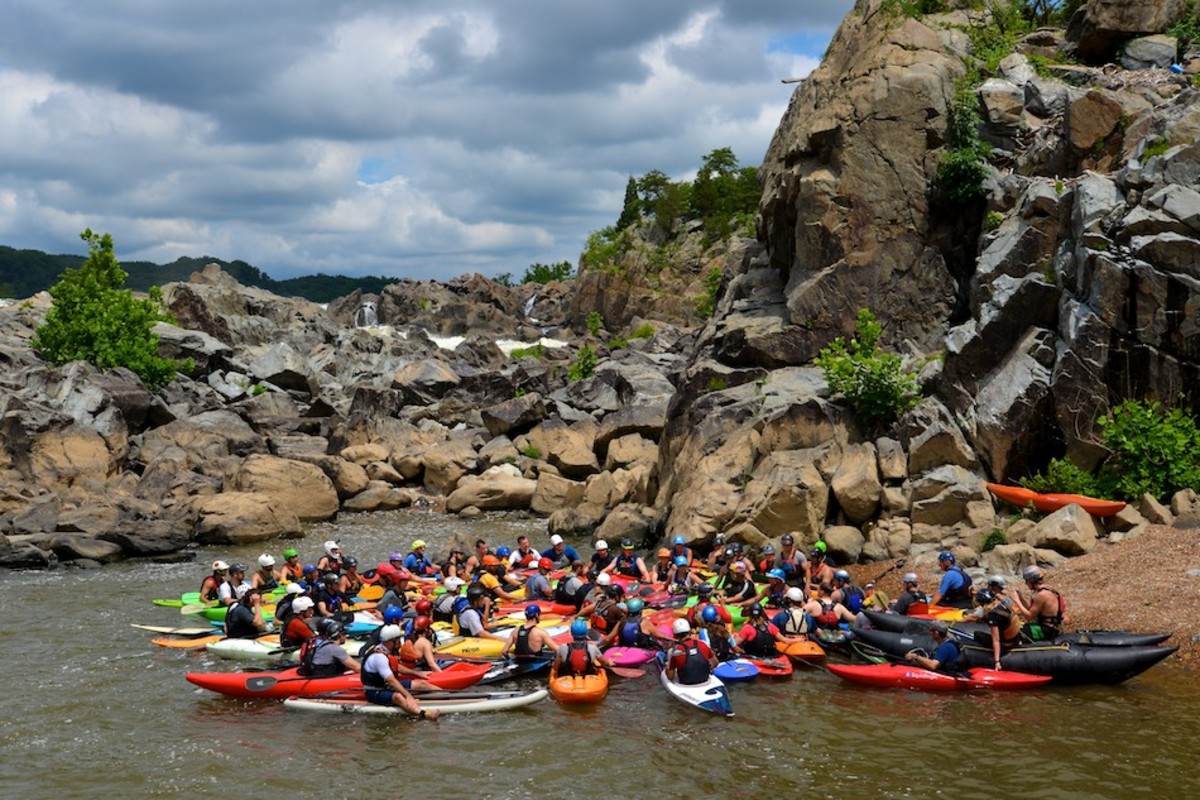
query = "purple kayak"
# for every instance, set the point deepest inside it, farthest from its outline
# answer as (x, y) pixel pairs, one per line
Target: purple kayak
(629, 656)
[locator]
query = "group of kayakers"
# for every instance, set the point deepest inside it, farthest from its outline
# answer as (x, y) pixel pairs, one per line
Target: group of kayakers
(785, 596)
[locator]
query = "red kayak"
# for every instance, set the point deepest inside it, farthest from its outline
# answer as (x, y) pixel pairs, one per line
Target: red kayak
(908, 676)
(772, 667)
(282, 684)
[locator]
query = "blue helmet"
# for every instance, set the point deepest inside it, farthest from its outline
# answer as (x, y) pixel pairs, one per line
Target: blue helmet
(532, 612)
(503, 552)
(777, 574)
(579, 629)
(681, 561)
(392, 615)
(678, 540)
(946, 555)
(635, 605)
(310, 568)
(709, 614)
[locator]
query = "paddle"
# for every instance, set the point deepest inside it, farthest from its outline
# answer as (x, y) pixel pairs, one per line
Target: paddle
(194, 608)
(626, 672)
(168, 603)
(900, 562)
(187, 633)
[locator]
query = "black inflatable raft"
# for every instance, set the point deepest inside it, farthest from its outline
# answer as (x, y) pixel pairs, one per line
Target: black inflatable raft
(898, 623)
(1066, 663)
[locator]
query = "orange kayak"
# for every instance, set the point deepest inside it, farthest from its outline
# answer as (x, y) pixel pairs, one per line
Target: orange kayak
(801, 651)
(579, 688)
(1047, 503)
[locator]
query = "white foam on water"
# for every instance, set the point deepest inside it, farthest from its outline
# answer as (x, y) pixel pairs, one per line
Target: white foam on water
(450, 342)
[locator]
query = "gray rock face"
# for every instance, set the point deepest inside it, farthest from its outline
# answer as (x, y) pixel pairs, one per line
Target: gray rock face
(1149, 52)
(517, 414)
(1106, 24)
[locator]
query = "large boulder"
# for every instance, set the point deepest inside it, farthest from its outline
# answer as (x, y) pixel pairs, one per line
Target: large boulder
(570, 448)
(786, 493)
(554, 492)
(856, 484)
(1107, 24)
(1070, 531)
(446, 464)
(303, 489)
(491, 492)
(242, 518)
(72, 456)
(517, 414)
(205, 437)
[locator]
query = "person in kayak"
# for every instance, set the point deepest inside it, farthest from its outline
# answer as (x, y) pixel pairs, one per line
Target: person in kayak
(846, 592)
(210, 587)
(455, 565)
(910, 595)
(945, 653)
(633, 630)
(283, 608)
(759, 635)
(791, 560)
(265, 577)
(628, 564)
(825, 612)
(876, 599)
(418, 564)
(1004, 624)
(234, 586)
(524, 557)
(793, 621)
(720, 641)
(417, 651)
(350, 583)
(681, 577)
(392, 615)
(602, 612)
(819, 569)
(470, 618)
(662, 568)
(380, 676)
(718, 557)
(329, 600)
(704, 599)
(394, 584)
(291, 571)
(298, 630)
(603, 557)
(738, 555)
(768, 562)
(738, 589)
(325, 655)
(772, 593)
(493, 578)
(560, 554)
(689, 661)
(446, 607)
(528, 641)
(244, 620)
(537, 586)
(679, 548)
(1046, 610)
(579, 656)
(312, 578)
(955, 587)
(573, 589)
(331, 559)
(475, 561)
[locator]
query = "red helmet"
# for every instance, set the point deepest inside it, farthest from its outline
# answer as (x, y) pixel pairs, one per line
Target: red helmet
(421, 624)
(545, 563)
(423, 608)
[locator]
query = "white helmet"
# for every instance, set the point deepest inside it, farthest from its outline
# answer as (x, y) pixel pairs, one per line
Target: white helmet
(294, 588)
(302, 604)
(453, 584)
(389, 632)
(556, 539)
(601, 544)
(680, 626)
(330, 546)
(266, 560)
(603, 579)
(794, 594)
(220, 566)
(998, 580)
(910, 577)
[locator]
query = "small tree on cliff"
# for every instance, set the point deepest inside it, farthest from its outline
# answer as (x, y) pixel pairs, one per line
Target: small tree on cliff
(94, 319)
(873, 383)
(631, 210)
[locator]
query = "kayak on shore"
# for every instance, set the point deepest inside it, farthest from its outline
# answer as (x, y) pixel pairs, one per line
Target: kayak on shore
(1050, 502)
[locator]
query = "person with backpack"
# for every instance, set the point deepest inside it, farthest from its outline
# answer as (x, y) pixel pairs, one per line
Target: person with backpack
(825, 612)
(955, 587)
(325, 655)
(579, 656)
(380, 676)
(846, 592)
(793, 620)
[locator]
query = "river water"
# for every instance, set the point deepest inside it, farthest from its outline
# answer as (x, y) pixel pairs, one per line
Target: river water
(92, 709)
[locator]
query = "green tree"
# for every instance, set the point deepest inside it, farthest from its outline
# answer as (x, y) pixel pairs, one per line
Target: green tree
(94, 319)
(872, 382)
(545, 273)
(631, 211)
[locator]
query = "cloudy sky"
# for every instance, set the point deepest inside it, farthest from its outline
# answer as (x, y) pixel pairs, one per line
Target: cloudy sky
(401, 138)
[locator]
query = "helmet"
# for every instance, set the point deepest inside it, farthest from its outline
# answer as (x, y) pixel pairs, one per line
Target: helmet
(678, 540)
(768, 550)
(997, 580)
(984, 596)
(601, 544)
(475, 592)
(266, 560)
(220, 566)
(423, 608)
(390, 632)
(333, 629)
(787, 539)
(309, 568)
(756, 610)
(503, 552)
(626, 544)
(735, 547)
(453, 584)
(603, 579)
(421, 623)
(709, 614)
(384, 568)
(398, 557)
(545, 563)
(704, 588)
(555, 540)
(738, 566)
(681, 561)
(392, 615)
(418, 544)
(237, 568)
(579, 629)
(680, 627)
(794, 594)
(842, 575)
(329, 577)
(532, 611)
(616, 590)
(635, 605)
(331, 546)
(302, 604)
(816, 553)
(664, 552)
(294, 588)
(291, 552)
(491, 561)
(910, 577)
(719, 539)
(349, 561)
(939, 627)
(946, 555)
(1031, 573)
(777, 574)
(820, 545)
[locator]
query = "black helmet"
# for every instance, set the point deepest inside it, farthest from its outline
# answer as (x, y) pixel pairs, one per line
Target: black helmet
(350, 561)
(704, 588)
(475, 592)
(334, 629)
(984, 596)
(329, 577)
(756, 610)
(237, 568)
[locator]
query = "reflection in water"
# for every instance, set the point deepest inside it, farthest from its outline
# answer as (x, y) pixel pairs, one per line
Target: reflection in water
(92, 707)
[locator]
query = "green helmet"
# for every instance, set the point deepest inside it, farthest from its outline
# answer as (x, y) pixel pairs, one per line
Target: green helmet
(291, 552)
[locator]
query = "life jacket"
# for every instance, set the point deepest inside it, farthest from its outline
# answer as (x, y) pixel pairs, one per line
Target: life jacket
(627, 566)
(852, 597)
(828, 618)
(960, 596)
(523, 650)
(214, 589)
(443, 607)
(283, 610)
(720, 643)
(373, 680)
(409, 656)
(737, 591)
(332, 598)
(525, 560)
(764, 566)
(662, 571)
(1054, 621)
(775, 599)
(331, 565)
(796, 623)
(268, 581)
(631, 635)
(600, 620)
(292, 574)
(288, 636)
(763, 643)
(309, 669)
(695, 667)
(1002, 617)
(578, 660)
(355, 586)
(239, 622)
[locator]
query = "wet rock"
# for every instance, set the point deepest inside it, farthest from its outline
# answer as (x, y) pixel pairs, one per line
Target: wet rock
(71, 546)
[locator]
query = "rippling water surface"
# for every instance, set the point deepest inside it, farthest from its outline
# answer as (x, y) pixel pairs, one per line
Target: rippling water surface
(92, 709)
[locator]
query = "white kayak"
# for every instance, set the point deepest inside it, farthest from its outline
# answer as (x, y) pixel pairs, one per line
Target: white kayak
(445, 702)
(709, 696)
(263, 649)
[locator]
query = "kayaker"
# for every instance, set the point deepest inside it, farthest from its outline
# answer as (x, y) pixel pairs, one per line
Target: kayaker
(825, 612)
(876, 599)
(603, 557)
(772, 593)
(493, 578)
(470, 618)
(395, 589)
(283, 608)
(662, 569)
(572, 589)
(704, 599)
(417, 651)
(628, 564)
(381, 683)
(475, 561)
(1004, 624)
(681, 577)
(210, 587)
(265, 577)
(738, 589)
(331, 559)
(418, 564)
(312, 578)
(818, 570)
(524, 557)
(528, 641)
(537, 586)
(560, 553)
(738, 555)
(689, 661)
(325, 655)
(955, 587)
(232, 588)
(350, 583)
(679, 548)
(392, 615)
(455, 565)
(634, 630)
(718, 557)
(719, 638)
(579, 656)
(759, 635)
(791, 560)
(846, 592)
(945, 653)
(291, 571)
(769, 561)
(244, 620)
(329, 600)
(1046, 610)
(602, 612)
(444, 607)
(794, 621)
(298, 630)
(910, 595)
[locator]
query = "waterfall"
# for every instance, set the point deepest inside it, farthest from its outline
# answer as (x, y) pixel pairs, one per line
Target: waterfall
(529, 305)
(366, 316)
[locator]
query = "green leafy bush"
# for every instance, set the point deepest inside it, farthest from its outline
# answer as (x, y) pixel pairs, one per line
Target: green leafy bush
(604, 248)
(584, 364)
(963, 167)
(993, 540)
(992, 220)
(872, 382)
(1156, 147)
(617, 343)
(594, 323)
(706, 303)
(717, 384)
(536, 351)
(643, 331)
(93, 319)
(545, 273)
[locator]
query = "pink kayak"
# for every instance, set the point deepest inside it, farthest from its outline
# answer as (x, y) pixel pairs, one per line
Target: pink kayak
(629, 656)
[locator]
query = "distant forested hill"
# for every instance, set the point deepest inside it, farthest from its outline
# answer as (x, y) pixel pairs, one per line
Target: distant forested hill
(27, 272)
